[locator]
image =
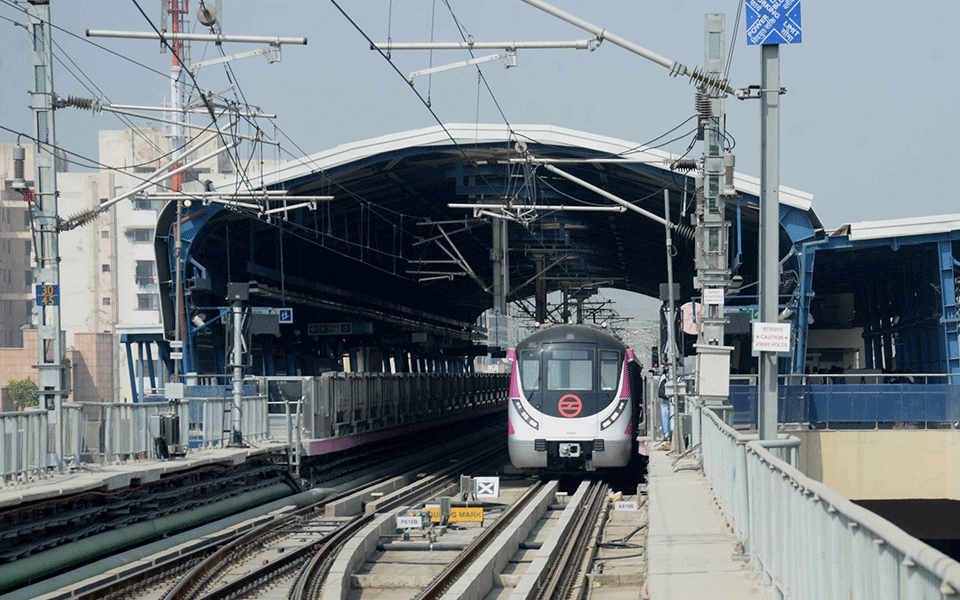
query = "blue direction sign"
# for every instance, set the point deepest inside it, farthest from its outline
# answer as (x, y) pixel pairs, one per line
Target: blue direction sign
(773, 22)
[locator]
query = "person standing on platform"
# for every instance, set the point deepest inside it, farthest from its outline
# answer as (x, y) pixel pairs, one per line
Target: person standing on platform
(664, 410)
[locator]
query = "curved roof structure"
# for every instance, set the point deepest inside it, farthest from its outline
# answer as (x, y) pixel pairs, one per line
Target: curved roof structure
(396, 243)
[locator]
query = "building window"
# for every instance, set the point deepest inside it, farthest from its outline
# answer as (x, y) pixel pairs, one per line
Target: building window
(106, 301)
(105, 268)
(141, 235)
(28, 278)
(144, 204)
(27, 247)
(146, 302)
(105, 234)
(145, 274)
(26, 219)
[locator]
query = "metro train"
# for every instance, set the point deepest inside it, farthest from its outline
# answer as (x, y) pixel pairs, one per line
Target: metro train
(572, 406)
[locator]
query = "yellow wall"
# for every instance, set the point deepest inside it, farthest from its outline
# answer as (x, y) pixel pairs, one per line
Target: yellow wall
(884, 464)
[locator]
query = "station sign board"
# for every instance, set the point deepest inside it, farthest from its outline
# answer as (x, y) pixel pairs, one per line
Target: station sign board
(318, 329)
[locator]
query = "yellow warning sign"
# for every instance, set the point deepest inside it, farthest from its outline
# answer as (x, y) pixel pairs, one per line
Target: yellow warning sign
(462, 514)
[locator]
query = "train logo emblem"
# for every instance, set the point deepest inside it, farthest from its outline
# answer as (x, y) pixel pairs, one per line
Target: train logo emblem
(570, 406)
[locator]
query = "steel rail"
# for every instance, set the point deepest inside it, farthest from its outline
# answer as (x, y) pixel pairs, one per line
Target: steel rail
(311, 578)
(325, 546)
(454, 570)
(565, 569)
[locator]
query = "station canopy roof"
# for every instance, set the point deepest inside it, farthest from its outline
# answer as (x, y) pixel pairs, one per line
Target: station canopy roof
(392, 235)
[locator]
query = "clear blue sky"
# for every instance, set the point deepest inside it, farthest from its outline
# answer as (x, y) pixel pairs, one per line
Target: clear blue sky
(868, 123)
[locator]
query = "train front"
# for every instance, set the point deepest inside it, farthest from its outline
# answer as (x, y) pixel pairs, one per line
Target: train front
(570, 401)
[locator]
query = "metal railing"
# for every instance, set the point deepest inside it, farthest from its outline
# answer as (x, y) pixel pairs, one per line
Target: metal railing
(350, 403)
(807, 540)
(210, 420)
(107, 432)
(23, 446)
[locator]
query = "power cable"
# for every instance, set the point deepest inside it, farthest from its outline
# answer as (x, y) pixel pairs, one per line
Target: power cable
(122, 118)
(419, 96)
(83, 39)
(91, 162)
(56, 56)
(201, 95)
(733, 40)
(461, 29)
(646, 145)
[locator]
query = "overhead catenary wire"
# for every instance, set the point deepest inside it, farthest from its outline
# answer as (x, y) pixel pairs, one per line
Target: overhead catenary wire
(193, 79)
(436, 118)
(90, 162)
(13, 4)
(56, 56)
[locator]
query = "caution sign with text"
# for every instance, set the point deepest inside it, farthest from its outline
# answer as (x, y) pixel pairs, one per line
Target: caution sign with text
(458, 514)
(771, 337)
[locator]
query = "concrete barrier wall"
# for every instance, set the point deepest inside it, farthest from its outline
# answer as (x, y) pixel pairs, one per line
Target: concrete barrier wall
(884, 464)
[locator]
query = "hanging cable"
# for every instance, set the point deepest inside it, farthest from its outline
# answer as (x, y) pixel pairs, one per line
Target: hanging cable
(433, 19)
(389, 26)
(733, 40)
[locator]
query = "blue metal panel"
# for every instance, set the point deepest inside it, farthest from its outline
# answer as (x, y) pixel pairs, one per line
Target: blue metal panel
(948, 320)
(839, 404)
(198, 217)
(796, 223)
(133, 377)
(806, 256)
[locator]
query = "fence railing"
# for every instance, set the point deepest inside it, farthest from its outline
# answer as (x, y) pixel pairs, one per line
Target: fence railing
(105, 432)
(24, 446)
(807, 540)
(211, 420)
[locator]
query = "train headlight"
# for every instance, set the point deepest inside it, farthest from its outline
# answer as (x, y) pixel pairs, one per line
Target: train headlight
(527, 418)
(616, 414)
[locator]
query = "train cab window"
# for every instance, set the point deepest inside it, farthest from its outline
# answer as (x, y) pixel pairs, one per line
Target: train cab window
(609, 370)
(529, 371)
(570, 370)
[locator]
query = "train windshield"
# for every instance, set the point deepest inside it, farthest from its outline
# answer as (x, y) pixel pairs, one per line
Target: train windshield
(570, 370)
(609, 370)
(529, 371)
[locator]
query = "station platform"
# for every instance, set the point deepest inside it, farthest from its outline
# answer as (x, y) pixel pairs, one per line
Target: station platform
(123, 475)
(690, 549)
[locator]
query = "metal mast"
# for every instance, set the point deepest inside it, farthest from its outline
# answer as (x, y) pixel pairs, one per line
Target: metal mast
(53, 380)
(713, 228)
(177, 9)
(769, 274)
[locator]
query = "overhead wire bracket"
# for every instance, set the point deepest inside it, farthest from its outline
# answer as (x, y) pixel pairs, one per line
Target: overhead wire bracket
(509, 59)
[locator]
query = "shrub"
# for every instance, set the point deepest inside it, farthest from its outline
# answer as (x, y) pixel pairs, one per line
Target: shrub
(24, 393)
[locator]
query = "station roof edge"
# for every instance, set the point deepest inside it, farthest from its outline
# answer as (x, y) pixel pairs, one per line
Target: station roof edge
(471, 133)
(892, 228)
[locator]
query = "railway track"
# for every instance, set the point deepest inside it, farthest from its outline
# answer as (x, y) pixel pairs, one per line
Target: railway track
(536, 541)
(540, 547)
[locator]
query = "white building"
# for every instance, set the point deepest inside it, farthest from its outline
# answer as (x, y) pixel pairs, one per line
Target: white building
(108, 273)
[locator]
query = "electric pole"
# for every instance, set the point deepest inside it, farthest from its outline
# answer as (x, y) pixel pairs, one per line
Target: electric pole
(713, 227)
(44, 218)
